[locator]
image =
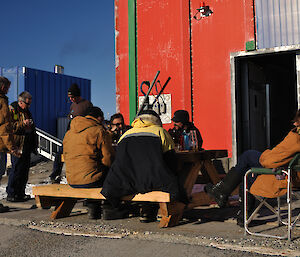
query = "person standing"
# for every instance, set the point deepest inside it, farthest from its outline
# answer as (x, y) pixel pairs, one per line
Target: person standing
(7, 143)
(78, 107)
(26, 140)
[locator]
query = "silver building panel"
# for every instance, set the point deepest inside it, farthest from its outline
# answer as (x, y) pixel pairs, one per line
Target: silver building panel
(277, 23)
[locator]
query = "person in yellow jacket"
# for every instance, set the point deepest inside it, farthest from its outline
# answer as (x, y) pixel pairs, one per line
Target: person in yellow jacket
(277, 157)
(145, 161)
(88, 153)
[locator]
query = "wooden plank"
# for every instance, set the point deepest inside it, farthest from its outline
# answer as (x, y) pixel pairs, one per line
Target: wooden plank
(188, 156)
(63, 190)
(171, 214)
(63, 209)
(211, 171)
(199, 199)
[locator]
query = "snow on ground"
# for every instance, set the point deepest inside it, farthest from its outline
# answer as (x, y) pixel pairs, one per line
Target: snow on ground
(28, 189)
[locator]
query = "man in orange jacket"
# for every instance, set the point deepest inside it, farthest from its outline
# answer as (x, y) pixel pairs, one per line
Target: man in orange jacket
(279, 156)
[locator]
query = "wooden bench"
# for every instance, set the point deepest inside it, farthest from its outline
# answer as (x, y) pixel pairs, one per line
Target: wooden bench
(64, 197)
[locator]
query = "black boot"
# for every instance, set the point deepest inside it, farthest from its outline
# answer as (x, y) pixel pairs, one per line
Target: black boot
(224, 188)
(94, 209)
(3, 208)
(250, 206)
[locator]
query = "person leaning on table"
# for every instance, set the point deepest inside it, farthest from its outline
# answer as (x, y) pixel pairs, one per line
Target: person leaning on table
(145, 161)
(277, 157)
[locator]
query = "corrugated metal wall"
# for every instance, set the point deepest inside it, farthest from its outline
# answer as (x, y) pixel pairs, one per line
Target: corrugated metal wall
(277, 22)
(49, 92)
(50, 100)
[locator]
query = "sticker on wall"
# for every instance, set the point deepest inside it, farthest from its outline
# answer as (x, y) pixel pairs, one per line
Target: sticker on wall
(162, 106)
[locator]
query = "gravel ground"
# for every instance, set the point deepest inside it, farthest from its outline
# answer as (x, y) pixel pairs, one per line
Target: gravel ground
(200, 228)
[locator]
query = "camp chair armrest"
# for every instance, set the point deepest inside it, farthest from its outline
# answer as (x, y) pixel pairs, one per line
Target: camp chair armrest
(294, 160)
(265, 171)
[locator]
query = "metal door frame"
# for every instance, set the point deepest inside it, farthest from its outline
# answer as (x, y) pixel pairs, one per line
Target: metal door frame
(233, 57)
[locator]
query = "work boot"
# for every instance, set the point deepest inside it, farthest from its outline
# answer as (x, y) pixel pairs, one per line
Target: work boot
(3, 208)
(94, 209)
(149, 213)
(114, 213)
(221, 191)
(240, 218)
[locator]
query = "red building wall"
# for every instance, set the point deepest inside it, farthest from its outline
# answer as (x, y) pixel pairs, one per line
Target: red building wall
(121, 58)
(213, 39)
(194, 53)
(163, 43)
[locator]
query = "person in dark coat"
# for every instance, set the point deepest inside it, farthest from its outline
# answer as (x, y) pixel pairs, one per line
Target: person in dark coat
(144, 162)
(26, 140)
(117, 127)
(182, 125)
(78, 107)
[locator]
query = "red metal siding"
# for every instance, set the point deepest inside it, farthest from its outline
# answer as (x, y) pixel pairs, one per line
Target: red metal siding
(163, 43)
(121, 52)
(213, 39)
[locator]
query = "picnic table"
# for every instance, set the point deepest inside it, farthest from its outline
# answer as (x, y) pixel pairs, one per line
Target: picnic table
(193, 164)
(190, 165)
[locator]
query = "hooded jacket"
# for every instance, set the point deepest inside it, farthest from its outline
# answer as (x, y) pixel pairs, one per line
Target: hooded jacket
(87, 151)
(268, 185)
(6, 137)
(25, 137)
(141, 162)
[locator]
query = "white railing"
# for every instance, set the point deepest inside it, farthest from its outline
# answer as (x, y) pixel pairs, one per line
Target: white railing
(48, 145)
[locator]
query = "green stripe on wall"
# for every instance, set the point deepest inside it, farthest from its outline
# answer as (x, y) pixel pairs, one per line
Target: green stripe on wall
(132, 59)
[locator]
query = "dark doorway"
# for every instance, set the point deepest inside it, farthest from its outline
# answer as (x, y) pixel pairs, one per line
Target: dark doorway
(266, 99)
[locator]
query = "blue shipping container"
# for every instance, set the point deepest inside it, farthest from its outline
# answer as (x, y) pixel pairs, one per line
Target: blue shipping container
(49, 91)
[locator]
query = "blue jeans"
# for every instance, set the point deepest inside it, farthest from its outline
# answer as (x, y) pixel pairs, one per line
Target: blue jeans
(18, 176)
(57, 164)
(248, 159)
(3, 161)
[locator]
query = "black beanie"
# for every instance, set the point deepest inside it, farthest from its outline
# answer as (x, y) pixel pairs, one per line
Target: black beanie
(74, 90)
(95, 112)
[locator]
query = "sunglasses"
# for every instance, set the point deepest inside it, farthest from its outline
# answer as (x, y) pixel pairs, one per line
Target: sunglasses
(117, 124)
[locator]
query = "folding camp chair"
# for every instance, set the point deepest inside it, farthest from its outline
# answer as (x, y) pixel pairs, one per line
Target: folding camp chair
(293, 167)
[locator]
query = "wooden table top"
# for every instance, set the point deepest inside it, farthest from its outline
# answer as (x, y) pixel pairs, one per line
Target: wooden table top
(192, 156)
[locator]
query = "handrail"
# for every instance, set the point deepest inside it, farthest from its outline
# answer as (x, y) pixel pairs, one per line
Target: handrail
(50, 142)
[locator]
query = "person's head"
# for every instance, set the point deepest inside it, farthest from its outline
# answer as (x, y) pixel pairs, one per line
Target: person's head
(117, 122)
(296, 120)
(150, 115)
(24, 100)
(95, 112)
(4, 85)
(74, 93)
(180, 118)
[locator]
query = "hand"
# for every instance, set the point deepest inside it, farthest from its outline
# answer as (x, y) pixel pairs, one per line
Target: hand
(16, 152)
(28, 122)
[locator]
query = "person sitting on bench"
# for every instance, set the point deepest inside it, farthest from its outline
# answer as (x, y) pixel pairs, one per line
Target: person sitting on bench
(88, 154)
(277, 157)
(144, 162)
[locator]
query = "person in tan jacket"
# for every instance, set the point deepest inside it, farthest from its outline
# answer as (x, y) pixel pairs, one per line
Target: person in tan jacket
(277, 157)
(7, 143)
(88, 151)
(88, 154)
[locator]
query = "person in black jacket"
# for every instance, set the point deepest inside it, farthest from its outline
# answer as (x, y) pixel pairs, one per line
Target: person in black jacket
(182, 124)
(145, 161)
